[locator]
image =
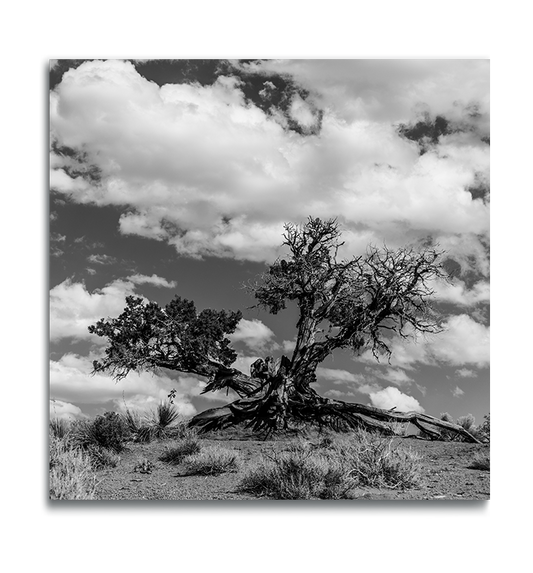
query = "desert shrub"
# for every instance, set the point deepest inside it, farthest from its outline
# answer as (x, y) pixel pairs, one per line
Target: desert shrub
(144, 466)
(71, 472)
(481, 461)
(375, 461)
(483, 430)
(178, 452)
(300, 472)
(468, 422)
(332, 467)
(161, 423)
(101, 457)
(447, 434)
(107, 431)
(59, 427)
(212, 460)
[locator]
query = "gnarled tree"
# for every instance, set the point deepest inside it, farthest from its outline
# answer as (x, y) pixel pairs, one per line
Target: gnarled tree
(355, 304)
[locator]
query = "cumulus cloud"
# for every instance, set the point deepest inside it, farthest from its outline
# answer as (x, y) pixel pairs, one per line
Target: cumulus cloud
(71, 381)
(254, 334)
(458, 293)
(243, 362)
(289, 346)
(388, 89)
(153, 280)
(463, 342)
(395, 375)
(457, 392)
(205, 170)
(391, 397)
(65, 410)
(73, 308)
(338, 376)
(466, 373)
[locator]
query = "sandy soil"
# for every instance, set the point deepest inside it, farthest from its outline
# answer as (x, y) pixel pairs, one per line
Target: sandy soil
(446, 473)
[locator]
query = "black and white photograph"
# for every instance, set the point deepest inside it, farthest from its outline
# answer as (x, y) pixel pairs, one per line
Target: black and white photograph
(269, 279)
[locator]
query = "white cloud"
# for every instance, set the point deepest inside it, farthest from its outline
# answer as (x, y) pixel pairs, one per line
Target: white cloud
(243, 362)
(211, 174)
(65, 410)
(457, 392)
(153, 280)
(289, 346)
(388, 89)
(71, 381)
(466, 373)
(390, 397)
(338, 376)
(73, 308)
(101, 259)
(463, 342)
(457, 292)
(339, 395)
(254, 334)
(301, 112)
(395, 375)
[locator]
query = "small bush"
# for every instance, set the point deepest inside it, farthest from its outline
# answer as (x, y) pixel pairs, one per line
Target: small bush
(183, 448)
(468, 422)
(102, 457)
(483, 430)
(144, 466)
(212, 460)
(481, 461)
(299, 473)
(331, 468)
(107, 431)
(59, 427)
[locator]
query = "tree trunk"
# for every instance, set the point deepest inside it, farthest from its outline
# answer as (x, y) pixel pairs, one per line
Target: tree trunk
(270, 400)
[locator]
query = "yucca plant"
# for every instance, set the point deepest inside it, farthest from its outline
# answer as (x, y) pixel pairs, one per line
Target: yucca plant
(162, 421)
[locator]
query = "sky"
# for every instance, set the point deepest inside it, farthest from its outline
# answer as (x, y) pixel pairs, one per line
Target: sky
(177, 176)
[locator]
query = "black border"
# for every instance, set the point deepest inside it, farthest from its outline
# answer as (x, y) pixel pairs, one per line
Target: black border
(431, 510)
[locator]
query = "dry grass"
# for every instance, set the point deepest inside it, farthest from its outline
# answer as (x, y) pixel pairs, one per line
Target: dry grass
(332, 467)
(481, 461)
(71, 472)
(212, 460)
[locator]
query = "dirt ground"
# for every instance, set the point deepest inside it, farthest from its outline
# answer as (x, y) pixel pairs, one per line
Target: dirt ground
(445, 470)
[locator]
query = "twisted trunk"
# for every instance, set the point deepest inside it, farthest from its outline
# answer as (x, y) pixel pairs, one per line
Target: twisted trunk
(273, 396)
